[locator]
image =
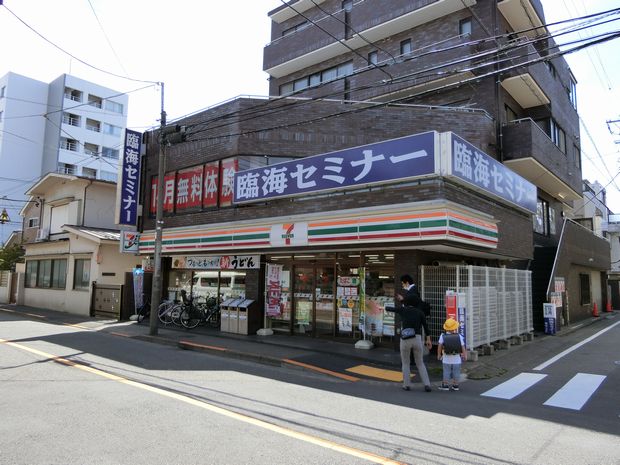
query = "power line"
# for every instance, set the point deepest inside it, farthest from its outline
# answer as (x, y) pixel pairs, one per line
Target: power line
(71, 55)
(107, 38)
(505, 49)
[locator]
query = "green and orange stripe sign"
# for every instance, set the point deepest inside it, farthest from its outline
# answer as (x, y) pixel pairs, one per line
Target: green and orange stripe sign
(443, 224)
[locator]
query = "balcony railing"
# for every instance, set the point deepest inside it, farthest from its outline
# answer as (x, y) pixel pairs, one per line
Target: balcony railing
(69, 145)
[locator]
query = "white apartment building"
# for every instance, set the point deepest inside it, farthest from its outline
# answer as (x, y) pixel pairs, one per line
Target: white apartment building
(70, 126)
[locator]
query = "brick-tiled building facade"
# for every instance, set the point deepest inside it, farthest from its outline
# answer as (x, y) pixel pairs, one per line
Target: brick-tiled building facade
(348, 74)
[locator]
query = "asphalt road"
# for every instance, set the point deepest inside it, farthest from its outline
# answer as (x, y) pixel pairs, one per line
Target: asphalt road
(76, 395)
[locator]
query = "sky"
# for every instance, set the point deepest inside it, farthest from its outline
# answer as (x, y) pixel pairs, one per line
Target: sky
(207, 52)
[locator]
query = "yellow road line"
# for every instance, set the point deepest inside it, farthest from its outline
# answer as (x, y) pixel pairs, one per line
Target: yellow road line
(219, 410)
(320, 370)
(390, 375)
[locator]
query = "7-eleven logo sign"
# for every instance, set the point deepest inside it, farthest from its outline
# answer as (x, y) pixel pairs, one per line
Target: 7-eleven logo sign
(283, 235)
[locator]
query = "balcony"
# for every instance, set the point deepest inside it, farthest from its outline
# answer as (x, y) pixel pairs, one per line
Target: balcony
(525, 84)
(523, 15)
(529, 151)
(71, 119)
(311, 45)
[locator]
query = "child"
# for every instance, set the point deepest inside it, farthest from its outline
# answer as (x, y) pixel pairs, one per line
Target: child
(451, 350)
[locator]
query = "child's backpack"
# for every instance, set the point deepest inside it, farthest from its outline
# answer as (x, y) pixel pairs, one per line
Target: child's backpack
(452, 344)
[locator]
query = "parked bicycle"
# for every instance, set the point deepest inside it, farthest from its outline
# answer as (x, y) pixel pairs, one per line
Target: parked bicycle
(196, 313)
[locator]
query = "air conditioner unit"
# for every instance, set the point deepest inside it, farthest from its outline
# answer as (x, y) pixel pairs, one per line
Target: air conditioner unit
(43, 234)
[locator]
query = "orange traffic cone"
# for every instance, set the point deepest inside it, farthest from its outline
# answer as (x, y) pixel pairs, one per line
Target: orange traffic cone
(595, 309)
(608, 306)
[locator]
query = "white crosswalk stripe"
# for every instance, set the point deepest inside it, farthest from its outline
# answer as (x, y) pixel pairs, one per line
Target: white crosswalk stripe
(574, 394)
(514, 386)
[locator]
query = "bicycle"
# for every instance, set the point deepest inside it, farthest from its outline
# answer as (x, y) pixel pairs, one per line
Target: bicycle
(194, 314)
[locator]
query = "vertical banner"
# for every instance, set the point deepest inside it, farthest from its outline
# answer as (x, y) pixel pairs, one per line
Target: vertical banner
(228, 169)
(130, 179)
(138, 288)
(274, 290)
(549, 318)
(450, 302)
(211, 183)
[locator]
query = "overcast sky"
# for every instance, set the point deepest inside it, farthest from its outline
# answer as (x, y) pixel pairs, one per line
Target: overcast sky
(207, 52)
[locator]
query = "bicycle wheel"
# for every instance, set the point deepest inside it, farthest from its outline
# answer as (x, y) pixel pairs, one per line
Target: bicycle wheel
(191, 317)
(175, 314)
(213, 318)
(163, 312)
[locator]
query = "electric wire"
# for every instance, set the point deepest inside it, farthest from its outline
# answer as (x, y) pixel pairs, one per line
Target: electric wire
(107, 38)
(202, 123)
(71, 55)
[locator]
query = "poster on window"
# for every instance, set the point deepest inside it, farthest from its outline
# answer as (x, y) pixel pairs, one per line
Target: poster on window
(273, 280)
(211, 183)
(169, 181)
(228, 169)
(189, 188)
(345, 320)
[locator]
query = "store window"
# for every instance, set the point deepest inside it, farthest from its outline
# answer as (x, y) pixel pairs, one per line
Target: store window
(203, 285)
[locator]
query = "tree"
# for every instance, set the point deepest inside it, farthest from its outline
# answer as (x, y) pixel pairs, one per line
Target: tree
(9, 256)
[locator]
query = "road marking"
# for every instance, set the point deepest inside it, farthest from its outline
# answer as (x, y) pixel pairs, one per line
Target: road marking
(544, 365)
(327, 444)
(514, 386)
(380, 373)
(321, 370)
(574, 394)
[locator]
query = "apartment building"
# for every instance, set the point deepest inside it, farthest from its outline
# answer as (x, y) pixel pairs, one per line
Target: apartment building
(68, 126)
(400, 137)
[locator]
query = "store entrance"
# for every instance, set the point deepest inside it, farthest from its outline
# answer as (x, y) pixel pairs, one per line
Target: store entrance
(314, 305)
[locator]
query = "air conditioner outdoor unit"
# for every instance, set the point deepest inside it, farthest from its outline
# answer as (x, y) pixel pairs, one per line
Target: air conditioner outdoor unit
(42, 235)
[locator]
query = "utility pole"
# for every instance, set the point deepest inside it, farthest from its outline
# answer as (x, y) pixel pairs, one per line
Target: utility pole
(159, 222)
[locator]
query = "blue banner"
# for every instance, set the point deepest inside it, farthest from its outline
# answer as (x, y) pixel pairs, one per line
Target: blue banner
(130, 180)
(391, 160)
(476, 167)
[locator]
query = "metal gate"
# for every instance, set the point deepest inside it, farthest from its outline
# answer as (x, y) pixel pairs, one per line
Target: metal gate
(498, 301)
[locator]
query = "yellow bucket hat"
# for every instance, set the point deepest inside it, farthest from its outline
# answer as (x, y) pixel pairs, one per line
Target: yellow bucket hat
(451, 325)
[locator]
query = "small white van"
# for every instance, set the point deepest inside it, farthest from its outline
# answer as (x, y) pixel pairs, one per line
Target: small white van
(231, 284)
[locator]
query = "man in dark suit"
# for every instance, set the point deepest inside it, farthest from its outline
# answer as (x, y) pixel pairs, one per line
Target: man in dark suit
(412, 317)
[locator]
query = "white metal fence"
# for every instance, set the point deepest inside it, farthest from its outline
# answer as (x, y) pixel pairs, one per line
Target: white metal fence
(498, 301)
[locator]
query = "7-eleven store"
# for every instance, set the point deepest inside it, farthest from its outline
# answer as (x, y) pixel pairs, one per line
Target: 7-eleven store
(324, 271)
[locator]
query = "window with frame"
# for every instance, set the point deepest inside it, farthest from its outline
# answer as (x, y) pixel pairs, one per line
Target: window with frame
(342, 70)
(81, 275)
(2, 91)
(584, 289)
(465, 26)
(577, 157)
(541, 220)
(108, 152)
(114, 106)
(48, 274)
(33, 222)
(111, 129)
(405, 47)
(572, 92)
